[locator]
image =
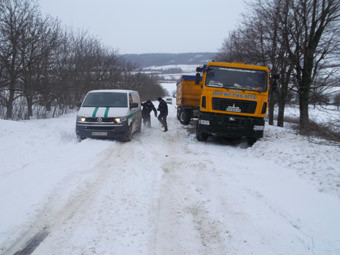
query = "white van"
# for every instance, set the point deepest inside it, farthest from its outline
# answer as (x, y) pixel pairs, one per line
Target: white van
(109, 113)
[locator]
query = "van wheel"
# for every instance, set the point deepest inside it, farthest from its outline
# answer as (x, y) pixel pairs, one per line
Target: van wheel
(128, 136)
(184, 117)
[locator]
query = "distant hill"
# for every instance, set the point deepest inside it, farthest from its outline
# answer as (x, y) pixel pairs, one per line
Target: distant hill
(161, 59)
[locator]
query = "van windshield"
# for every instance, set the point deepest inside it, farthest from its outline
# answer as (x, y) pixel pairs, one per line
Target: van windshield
(105, 99)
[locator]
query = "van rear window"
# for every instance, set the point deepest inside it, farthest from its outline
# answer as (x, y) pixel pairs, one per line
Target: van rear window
(105, 99)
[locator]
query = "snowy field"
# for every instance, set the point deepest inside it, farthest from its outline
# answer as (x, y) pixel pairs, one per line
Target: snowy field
(185, 68)
(165, 193)
(171, 77)
(327, 115)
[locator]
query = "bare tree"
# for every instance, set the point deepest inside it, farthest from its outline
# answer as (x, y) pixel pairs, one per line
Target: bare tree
(14, 19)
(260, 41)
(337, 100)
(313, 38)
(49, 69)
(296, 38)
(37, 45)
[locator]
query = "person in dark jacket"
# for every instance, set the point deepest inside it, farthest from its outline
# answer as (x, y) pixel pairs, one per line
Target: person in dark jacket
(148, 106)
(163, 113)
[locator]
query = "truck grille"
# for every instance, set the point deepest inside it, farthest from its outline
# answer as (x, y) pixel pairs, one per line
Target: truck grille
(221, 104)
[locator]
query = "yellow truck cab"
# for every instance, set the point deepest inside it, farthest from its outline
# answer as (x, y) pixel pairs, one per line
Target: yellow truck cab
(234, 100)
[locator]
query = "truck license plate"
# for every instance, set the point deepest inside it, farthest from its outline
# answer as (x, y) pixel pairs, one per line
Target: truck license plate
(99, 133)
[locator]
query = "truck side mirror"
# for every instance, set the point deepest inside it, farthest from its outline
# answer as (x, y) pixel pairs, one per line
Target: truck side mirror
(198, 79)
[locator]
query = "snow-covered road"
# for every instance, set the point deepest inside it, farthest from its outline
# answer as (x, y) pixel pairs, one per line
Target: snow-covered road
(165, 193)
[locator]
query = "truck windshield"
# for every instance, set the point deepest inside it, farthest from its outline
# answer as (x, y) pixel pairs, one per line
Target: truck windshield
(105, 99)
(234, 78)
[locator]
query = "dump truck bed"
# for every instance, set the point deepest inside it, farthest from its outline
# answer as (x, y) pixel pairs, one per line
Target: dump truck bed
(188, 93)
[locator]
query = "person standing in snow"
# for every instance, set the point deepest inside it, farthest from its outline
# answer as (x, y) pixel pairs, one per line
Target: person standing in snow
(148, 106)
(163, 113)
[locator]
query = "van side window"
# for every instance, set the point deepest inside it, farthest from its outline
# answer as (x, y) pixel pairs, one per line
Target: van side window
(135, 98)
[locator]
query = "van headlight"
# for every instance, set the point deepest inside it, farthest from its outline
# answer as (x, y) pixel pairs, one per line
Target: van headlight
(81, 119)
(120, 120)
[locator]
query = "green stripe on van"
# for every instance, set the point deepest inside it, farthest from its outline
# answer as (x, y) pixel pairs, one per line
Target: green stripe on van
(131, 115)
(95, 112)
(106, 112)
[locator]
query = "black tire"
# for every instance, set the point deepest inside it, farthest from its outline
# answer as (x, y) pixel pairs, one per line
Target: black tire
(178, 112)
(184, 117)
(128, 136)
(202, 137)
(251, 140)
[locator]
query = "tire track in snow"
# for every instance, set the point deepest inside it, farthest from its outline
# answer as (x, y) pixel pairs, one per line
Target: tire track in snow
(184, 223)
(52, 218)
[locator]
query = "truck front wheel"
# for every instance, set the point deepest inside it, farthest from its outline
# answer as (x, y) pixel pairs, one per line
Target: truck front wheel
(202, 137)
(251, 140)
(80, 138)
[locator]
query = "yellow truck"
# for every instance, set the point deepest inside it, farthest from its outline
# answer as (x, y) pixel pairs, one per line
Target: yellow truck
(188, 96)
(233, 100)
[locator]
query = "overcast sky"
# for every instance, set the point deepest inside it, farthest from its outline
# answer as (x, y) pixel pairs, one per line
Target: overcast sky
(151, 26)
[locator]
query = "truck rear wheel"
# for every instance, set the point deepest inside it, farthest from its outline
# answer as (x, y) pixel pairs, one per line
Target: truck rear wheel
(184, 117)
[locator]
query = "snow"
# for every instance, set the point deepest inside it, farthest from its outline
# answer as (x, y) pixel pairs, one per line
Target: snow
(165, 192)
(185, 68)
(170, 87)
(320, 114)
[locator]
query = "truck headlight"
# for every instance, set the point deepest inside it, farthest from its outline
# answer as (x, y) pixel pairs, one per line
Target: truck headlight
(120, 120)
(81, 119)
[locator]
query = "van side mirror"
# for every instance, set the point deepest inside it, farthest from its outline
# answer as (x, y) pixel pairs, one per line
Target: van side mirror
(197, 79)
(78, 104)
(134, 105)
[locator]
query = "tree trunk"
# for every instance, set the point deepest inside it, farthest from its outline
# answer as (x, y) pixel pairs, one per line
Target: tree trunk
(281, 113)
(10, 101)
(29, 107)
(303, 104)
(282, 98)
(271, 106)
